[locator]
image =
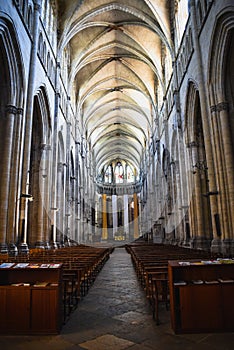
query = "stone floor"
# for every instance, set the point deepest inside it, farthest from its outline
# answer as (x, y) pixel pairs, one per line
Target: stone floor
(115, 315)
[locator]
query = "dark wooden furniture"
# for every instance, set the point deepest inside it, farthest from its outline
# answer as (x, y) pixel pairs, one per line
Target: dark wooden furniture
(26, 307)
(150, 261)
(201, 296)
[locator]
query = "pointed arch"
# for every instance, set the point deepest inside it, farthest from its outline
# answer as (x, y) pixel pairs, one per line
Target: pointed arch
(199, 209)
(12, 61)
(12, 98)
(221, 93)
(39, 213)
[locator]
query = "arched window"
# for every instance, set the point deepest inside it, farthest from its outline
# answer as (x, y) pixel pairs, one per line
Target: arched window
(108, 175)
(44, 54)
(130, 174)
(181, 17)
(119, 173)
(30, 20)
(40, 45)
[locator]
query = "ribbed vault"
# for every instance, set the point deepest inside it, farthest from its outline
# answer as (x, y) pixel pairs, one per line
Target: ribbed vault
(120, 53)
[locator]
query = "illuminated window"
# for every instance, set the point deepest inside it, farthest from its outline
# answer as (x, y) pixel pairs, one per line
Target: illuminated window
(181, 17)
(130, 174)
(119, 174)
(108, 175)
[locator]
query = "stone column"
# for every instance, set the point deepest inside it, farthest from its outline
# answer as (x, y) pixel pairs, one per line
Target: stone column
(68, 211)
(225, 166)
(198, 233)
(39, 210)
(104, 218)
(28, 126)
(126, 217)
(60, 202)
(114, 214)
(82, 197)
(136, 226)
(77, 184)
(14, 194)
(204, 112)
(6, 159)
(185, 175)
(47, 199)
(54, 183)
(140, 216)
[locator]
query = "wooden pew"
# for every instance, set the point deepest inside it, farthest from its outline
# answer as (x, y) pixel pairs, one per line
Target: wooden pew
(81, 264)
(150, 261)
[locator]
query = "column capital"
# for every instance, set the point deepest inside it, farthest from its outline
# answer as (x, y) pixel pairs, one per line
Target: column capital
(37, 5)
(192, 144)
(20, 111)
(222, 106)
(45, 147)
(11, 109)
(191, 3)
(60, 166)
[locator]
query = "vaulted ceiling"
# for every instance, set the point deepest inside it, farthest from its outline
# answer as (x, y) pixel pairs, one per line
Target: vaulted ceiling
(117, 51)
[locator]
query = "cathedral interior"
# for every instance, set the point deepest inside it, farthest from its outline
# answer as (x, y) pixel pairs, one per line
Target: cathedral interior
(116, 140)
(116, 123)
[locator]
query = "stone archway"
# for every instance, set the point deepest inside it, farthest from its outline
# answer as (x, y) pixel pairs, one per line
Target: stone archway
(39, 210)
(199, 210)
(11, 99)
(221, 93)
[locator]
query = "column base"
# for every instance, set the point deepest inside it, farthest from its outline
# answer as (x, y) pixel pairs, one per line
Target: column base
(40, 245)
(3, 248)
(228, 247)
(216, 246)
(53, 245)
(47, 245)
(23, 248)
(202, 243)
(157, 239)
(186, 244)
(13, 251)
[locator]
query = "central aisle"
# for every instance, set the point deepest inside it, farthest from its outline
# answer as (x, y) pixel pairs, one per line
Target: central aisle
(115, 314)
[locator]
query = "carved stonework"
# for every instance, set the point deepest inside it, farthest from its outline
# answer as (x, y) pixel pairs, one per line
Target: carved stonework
(45, 147)
(20, 111)
(11, 109)
(222, 106)
(192, 144)
(37, 6)
(213, 109)
(60, 167)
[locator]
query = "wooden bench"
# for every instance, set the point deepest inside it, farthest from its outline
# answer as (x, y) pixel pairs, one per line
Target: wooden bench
(150, 261)
(81, 265)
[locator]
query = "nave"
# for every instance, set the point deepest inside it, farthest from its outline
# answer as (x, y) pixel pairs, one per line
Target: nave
(116, 315)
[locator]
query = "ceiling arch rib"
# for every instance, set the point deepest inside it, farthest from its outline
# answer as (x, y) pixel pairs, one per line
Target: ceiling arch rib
(137, 116)
(116, 132)
(116, 146)
(129, 59)
(119, 133)
(131, 94)
(76, 22)
(126, 40)
(102, 96)
(117, 49)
